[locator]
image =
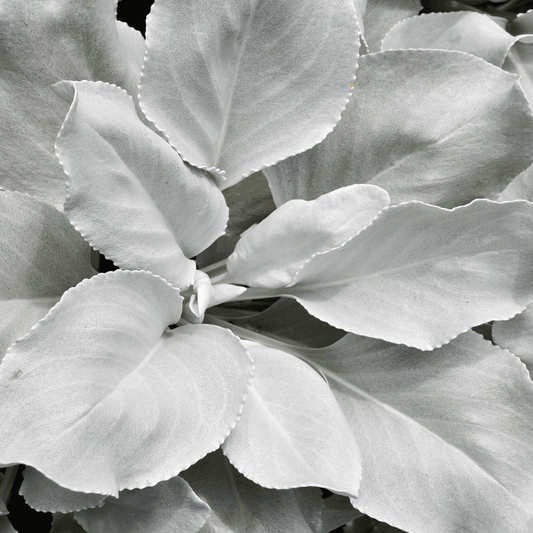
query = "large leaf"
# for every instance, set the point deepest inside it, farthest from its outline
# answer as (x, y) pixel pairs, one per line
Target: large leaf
(65, 523)
(447, 138)
(516, 335)
(43, 43)
(445, 436)
(270, 253)
(43, 495)
(41, 257)
(129, 193)
(240, 85)
(420, 275)
(169, 506)
(292, 432)
(240, 506)
(143, 403)
(464, 31)
(521, 188)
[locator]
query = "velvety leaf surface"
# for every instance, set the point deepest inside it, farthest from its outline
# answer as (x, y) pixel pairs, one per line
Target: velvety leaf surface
(461, 133)
(516, 335)
(445, 436)
(41, 256)
(520, 61)
(464, 31)
(42, 43)
(168, 506)
(240, 85)
(270, 253)
(521, 188)
(292, 432)
(382, 15)
(43, 495)
(144, 403)
(129, 193)
(420, 275)
(240, 506)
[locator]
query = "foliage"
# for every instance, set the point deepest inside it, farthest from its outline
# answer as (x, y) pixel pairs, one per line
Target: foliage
(313, 209)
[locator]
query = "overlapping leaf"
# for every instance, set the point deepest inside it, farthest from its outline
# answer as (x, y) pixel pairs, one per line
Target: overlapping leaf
(143, 403)
(381, 15)
(463, 132)
(445, 437)
(516, 335)
(240, 506)
(292, 432)
(41, 257)
(43, 495)
(270, 254)
(168, 506)
(241, 85)
(420, 275)
(129, 192)
(464, 31)
(43, 43)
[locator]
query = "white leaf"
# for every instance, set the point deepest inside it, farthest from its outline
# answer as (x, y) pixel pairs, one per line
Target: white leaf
(168, 506)
(143, 403)
(292, 432)
(43, 495)
(240, 85)
(420, 275)
(461, 133)
(42, 256)
(445, 436)
(270, 253)
(129, 193)
(464, 31)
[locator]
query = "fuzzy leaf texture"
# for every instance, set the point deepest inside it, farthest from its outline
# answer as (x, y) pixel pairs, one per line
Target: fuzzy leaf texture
(462, 133)
(168, 506)
(270, 253)
(292, 432)
(420, 275)
(43, 43)
(41, 256)
(240, 506)
(239, 85)
(144, 402)
(445, 437)
(129, 193)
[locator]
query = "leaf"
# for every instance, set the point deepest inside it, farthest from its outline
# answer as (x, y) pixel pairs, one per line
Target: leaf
(240, 506)
(168, 506)
(464, 31)
(521, 188)
(249, 202)
(382, 15)
(270, 253)
(420, 275)
(65, 523)
(43, 495)
(42, 44)
(5, 525)
(288, 321)
(516, 335)
(462, 133)
(292, 432)
(144, 402)
(42, 256)
(445, 436)
(129, 193)
(239, 86)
